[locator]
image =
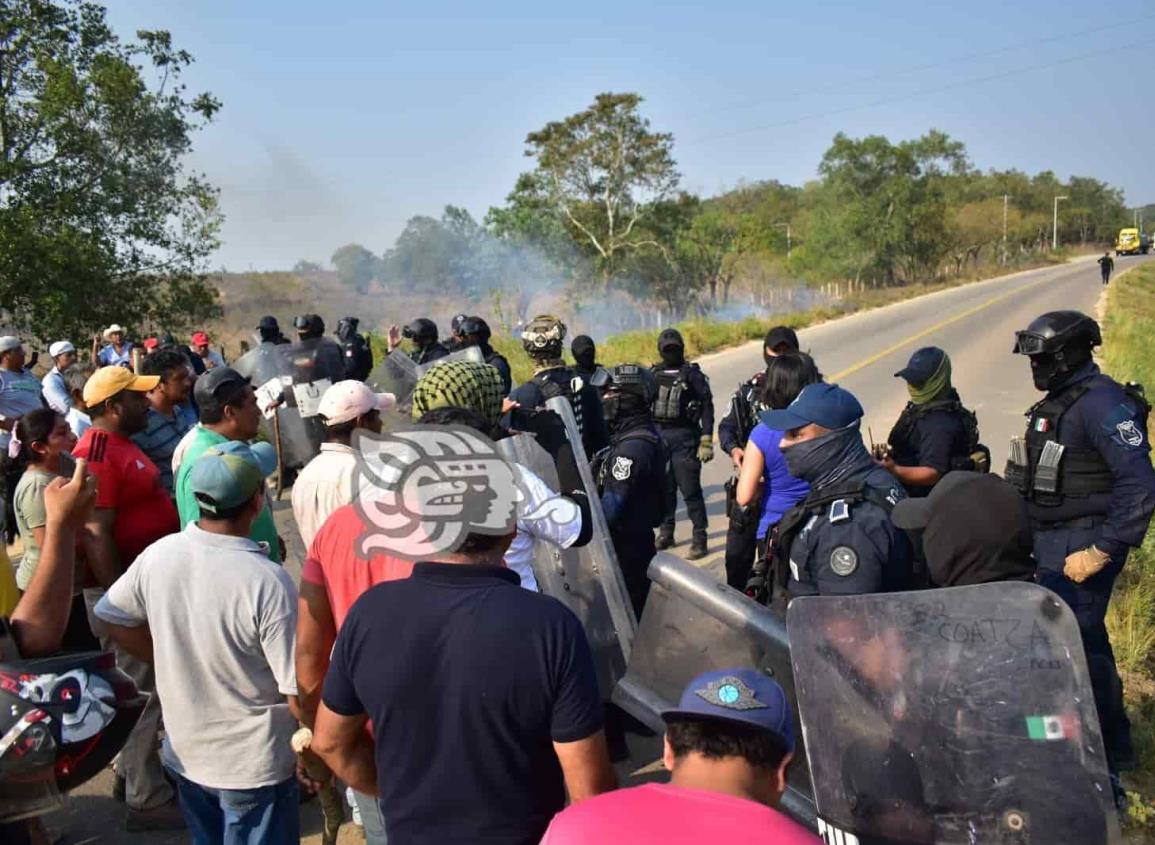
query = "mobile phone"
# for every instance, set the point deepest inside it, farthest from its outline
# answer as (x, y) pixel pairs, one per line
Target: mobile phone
(67, 465)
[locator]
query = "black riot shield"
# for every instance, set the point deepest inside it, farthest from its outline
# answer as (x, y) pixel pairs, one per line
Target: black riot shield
(693, 623)
(950, 716)
(398, 373)
(270, 370)
(574, 576)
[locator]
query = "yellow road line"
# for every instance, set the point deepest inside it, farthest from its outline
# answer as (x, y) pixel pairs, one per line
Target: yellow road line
(873, 359)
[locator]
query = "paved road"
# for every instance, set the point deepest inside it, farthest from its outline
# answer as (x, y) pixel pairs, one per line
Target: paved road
(974, 323)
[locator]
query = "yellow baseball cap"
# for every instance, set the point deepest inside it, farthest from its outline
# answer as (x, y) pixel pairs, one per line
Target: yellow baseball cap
(108, 381)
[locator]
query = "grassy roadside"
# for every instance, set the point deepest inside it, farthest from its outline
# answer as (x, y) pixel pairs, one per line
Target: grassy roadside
(1128, 355)
(705, 336)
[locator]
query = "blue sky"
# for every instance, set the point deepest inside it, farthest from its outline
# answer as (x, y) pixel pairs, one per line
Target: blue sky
(343, 119)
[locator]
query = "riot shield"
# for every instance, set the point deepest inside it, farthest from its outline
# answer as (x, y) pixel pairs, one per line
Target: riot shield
(950, 716)
(693, 623)
(572, 575)
(398, 373)
(270, 370)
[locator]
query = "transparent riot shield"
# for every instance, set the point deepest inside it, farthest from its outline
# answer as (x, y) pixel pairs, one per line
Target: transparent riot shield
(693, 623)
(270, 370)
(573, 575)
(950, 716)
(398, 373)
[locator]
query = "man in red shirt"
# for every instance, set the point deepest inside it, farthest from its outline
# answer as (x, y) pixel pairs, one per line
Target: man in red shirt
(727, 747)
(132, 511)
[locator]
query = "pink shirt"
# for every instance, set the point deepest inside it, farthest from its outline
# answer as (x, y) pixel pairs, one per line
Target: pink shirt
(662, 814)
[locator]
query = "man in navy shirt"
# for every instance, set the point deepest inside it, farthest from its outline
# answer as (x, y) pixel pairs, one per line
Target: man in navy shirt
(482, 697)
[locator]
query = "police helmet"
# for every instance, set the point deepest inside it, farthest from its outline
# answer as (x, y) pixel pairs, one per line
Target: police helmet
(63, 719)
(455, 323)
(474, 326)
(670, 337)
(635, 380)
(421, 329)
(543, 336)
(1058, 331)
(310, 325)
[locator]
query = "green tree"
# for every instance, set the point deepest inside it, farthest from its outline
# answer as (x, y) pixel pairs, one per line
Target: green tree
(600, 172)
(356, 266)
(99, 220)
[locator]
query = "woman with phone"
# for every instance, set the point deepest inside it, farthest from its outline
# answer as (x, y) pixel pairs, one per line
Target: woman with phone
(42, 441)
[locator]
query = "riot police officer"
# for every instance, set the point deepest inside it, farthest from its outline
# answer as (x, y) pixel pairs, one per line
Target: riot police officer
(269, 331)
(684, 412)
(453, 342)
(542, 340)
(630, 473)
(839, 540)
(1084, 468)
(423, 333)
(585, 354)
(358, 355)
(935, 433)
(474, 331)
(733, 432)
(317, 363)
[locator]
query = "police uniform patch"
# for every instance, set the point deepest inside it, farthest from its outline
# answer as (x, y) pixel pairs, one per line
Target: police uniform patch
(622, 468)
(843, 560)
(732, 693)
(1129, 433)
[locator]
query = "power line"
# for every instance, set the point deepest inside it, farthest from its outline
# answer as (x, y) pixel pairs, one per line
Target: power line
(911, 95)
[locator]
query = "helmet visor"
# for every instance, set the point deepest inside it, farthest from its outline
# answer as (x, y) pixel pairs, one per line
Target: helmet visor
(1029, 343)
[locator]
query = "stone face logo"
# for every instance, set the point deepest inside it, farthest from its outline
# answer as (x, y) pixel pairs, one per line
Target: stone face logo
(421, 492)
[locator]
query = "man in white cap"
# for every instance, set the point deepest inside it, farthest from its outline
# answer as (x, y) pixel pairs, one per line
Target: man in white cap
(56, 392)
(20, 391)
(117, 351)
(326, 482)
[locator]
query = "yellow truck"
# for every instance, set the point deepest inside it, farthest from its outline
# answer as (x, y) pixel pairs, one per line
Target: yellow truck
(1132, 242)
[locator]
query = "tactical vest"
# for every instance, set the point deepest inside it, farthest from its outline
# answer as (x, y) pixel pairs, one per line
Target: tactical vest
(562, 381)
(976, 457)
(603, 464)
(675, 404)
(1047, 474)
(835, 503)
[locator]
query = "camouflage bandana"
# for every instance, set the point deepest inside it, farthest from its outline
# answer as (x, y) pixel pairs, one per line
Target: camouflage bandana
(459, 384)
(544, 364)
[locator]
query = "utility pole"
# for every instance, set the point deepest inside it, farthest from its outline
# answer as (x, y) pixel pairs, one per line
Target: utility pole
(1006, 198)
(1055, 224)
(787, 225)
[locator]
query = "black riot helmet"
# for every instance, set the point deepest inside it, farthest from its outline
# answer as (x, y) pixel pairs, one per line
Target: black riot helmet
(1058, 343)
(455, 323)
(542, 337)
(474, 330)
(347, 327)
(63, 719)
(630, 392)
(309, 325)
(672, 348)
(421, 331)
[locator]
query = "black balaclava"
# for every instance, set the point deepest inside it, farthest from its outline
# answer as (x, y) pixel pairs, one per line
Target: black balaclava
(672, 348)
(584, 351)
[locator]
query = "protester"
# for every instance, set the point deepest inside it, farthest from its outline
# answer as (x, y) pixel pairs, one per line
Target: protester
(766, 489)
(132, 512)
(150, 344)
(326, 482)
(480, 727)
(728, 745)
(975, 528)
(19, 394)
(200, 348)
(116, 352)
(44, 436)
(228, 410)
(222, 644)
(170, 416)
(75, 378)
(54, 388)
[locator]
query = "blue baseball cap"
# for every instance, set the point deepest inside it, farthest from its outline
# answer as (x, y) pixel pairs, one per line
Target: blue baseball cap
(828, 405)
(228, 474)
(742, 696)
(923, 364)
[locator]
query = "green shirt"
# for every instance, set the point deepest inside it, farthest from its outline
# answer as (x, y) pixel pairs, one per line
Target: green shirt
(28, 502)
(264, 529)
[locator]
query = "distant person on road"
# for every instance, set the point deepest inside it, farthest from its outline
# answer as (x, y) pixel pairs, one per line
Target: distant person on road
(1106, 266)
(727, 747)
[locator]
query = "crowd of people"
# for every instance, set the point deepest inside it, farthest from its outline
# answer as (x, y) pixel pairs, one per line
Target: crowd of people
(138, 486)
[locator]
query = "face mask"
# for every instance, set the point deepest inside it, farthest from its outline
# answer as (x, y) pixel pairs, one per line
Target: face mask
(1046, 371)
(611, 407)
(827, 458)
(672, 356)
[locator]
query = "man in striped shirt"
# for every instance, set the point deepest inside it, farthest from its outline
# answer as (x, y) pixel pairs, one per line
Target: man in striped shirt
(170, 415)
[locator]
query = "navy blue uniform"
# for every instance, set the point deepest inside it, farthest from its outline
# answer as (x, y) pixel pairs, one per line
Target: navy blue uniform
(849, 547)
(587, 408)
(936, 439)
(630, 476)
(498, 362)
(687, 416)
(1106, 421)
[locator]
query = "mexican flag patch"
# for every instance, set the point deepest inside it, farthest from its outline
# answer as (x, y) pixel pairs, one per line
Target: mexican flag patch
(1041, 425)
(1047, 728)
